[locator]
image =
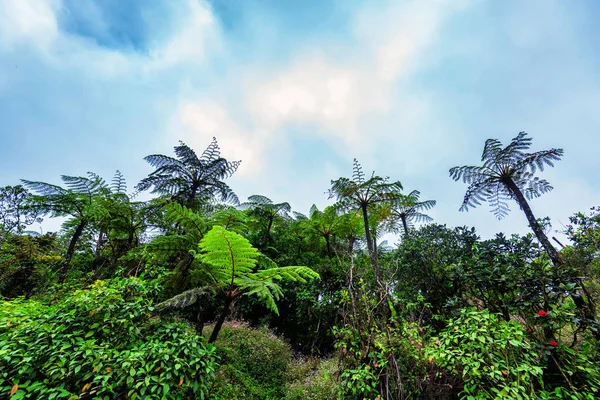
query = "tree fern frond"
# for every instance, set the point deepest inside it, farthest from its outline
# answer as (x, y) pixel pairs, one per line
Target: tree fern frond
(212, 152)
(185, 299)
(43, 188)
(231, 219)
(160, 161)
(118, 185)
(357, 173)
(228, 253)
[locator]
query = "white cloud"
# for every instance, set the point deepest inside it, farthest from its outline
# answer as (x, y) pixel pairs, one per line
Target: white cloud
(198, 122)
(34, 22)
(24, 21)
(344, 98)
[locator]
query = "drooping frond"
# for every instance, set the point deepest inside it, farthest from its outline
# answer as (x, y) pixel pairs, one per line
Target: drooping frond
(537, 161)
(258, 199)
(185, 299)
(228, 253)
(91, 185)
(299, 216)
(43, 188)
(160, 161)
(262, 283)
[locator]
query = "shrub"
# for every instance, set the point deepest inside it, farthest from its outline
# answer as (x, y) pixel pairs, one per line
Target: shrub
(312, 380)
(493, 356)
(255, 364)
(100, 342)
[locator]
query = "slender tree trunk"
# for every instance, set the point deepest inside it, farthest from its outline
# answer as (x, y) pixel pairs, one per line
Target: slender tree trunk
(99, 243)
(537, 229)
(71, 250)
(222, 317)
(268, 232)
(369, 240)
(405, 225)
(191, 196)
(326, 236)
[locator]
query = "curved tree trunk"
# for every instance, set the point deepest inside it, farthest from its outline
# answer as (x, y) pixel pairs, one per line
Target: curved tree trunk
(221, 320)
(535, 226)
(369, 240)
(268, 232)
(71, 250)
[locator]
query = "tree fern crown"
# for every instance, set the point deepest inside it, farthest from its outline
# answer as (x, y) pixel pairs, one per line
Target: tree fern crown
(501, 167)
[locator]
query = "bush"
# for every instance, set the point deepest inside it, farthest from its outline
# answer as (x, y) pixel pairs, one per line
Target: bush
(255, 364)
(100, 342)
(493, 357)
(312, 380)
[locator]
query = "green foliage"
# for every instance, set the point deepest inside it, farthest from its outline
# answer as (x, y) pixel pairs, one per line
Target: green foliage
(254, 364)
(100, 342)
(493, 357)
(312, 379)
(231, 260)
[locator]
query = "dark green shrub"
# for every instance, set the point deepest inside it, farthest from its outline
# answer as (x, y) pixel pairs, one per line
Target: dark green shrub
(255, 364)
(103, 343)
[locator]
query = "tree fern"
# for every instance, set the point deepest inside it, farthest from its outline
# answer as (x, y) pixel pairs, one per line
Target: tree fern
(231, 262)
(507, 173)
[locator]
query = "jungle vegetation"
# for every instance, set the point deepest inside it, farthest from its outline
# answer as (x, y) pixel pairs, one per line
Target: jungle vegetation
(196, 294)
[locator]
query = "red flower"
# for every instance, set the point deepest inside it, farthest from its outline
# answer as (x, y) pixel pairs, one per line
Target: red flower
(376, 364)
(542, 313)
(529, 331)
(553, 343)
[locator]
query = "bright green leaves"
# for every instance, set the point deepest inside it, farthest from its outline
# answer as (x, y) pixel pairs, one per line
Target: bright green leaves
(232, 262)
(230, 255)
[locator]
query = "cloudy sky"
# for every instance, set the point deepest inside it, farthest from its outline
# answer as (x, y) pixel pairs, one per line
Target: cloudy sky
(297, 89)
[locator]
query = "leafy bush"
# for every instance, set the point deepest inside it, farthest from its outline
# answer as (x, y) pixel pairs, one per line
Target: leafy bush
(493, 356)
(255, 364)
(100, 342)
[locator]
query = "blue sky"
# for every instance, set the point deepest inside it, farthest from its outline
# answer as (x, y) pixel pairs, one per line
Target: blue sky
(297, 89)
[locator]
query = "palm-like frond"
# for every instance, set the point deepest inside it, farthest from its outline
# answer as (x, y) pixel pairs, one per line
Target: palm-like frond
(190, 178)
(263, 283)
(501, 167)
(231, 219)
(229, 254)
(118, 184)
(185, 299)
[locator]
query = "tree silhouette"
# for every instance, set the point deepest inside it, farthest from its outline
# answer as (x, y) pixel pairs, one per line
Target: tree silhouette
(509, 173)
(408, 209)
(189, 179)
(80, 201)
(360, 193)
(265, 208)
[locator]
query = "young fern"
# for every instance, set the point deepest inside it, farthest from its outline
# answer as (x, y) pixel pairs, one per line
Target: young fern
(231, 261)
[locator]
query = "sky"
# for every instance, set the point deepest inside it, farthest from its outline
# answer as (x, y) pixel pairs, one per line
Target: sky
(297, 89)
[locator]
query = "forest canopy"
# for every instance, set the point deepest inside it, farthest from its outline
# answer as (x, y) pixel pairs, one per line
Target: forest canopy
(197, 293)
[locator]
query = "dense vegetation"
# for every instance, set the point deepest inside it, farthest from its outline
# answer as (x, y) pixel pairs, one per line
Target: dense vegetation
(195, 294)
